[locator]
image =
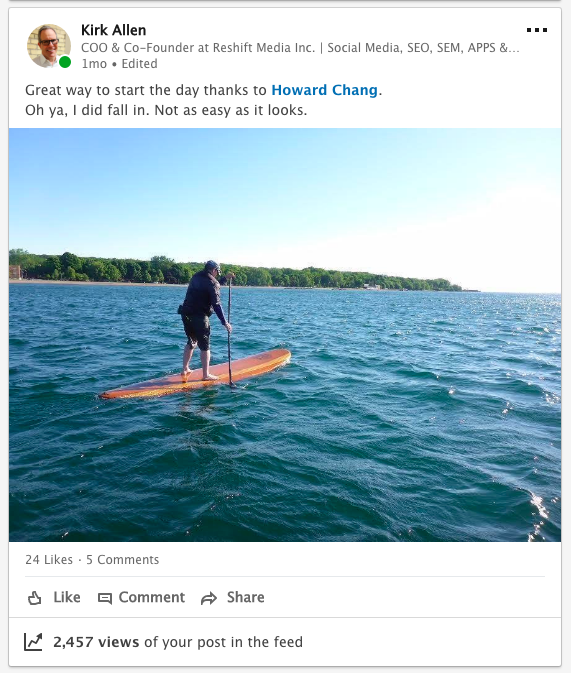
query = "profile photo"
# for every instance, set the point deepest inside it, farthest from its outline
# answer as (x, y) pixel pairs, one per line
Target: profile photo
(47, 44)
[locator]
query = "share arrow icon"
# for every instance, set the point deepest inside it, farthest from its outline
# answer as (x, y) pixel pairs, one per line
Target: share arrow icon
(209, 598)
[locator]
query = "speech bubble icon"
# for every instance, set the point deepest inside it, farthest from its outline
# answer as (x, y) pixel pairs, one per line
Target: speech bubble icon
(105, 598)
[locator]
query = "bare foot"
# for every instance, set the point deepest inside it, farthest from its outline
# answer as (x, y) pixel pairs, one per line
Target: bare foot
(185, 373)
(210, 377)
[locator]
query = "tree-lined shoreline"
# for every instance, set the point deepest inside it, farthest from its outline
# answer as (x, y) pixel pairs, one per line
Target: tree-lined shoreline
(161, 269)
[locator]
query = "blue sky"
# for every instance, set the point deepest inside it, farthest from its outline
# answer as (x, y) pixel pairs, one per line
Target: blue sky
(479, 207)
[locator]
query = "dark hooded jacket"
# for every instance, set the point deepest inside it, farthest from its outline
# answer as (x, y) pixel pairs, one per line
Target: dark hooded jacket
(203, 296)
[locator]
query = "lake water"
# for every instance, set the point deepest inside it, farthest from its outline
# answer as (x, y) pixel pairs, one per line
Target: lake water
(402, 416)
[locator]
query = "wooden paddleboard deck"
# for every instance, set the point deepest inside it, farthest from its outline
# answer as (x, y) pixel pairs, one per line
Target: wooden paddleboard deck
(176, 383)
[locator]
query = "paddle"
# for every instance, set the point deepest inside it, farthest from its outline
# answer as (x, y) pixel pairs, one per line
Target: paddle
(230, 382)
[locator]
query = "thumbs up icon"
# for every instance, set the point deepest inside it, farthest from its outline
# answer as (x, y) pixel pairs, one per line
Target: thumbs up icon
(34, 599)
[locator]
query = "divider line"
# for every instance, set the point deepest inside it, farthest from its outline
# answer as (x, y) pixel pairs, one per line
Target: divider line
(302, 617)
(294, 576)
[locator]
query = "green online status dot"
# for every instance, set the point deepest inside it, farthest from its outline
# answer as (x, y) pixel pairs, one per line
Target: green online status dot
(65, 61)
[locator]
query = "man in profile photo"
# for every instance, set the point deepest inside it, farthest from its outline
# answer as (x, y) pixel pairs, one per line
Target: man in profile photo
(48, 43)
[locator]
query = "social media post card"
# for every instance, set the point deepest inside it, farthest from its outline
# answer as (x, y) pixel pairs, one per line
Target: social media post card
(284, 295)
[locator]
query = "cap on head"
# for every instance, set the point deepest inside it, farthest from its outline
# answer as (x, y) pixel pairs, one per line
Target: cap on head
(212, 266)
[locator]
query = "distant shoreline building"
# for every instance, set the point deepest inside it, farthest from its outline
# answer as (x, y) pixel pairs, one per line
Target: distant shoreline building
(15, 272)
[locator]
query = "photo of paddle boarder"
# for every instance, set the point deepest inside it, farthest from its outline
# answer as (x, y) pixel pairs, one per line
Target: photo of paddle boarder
(377, 315)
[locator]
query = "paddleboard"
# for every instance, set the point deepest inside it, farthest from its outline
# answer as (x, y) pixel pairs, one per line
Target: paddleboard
(175, 383)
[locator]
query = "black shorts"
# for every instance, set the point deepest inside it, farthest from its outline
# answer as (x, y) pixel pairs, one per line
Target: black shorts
(197, 329)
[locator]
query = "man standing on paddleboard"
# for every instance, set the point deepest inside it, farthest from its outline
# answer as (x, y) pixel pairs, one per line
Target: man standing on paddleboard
(201, 301)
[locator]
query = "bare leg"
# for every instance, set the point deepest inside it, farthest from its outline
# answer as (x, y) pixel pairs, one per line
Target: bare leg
(205, 359)
(188, 350)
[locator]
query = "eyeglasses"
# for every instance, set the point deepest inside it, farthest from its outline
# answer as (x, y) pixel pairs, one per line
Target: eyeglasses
(47, 42)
